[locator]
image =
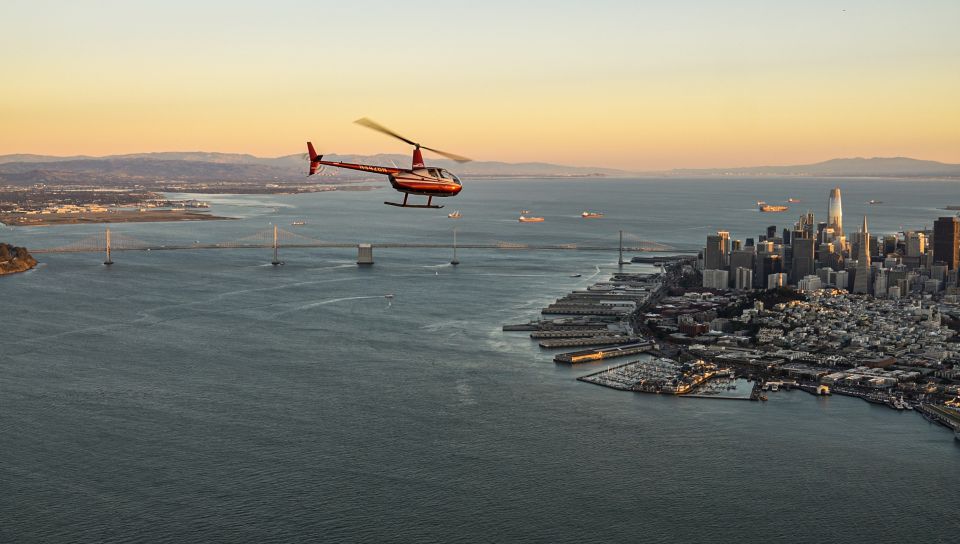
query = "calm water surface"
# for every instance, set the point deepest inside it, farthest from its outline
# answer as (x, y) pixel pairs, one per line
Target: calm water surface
(208, 396)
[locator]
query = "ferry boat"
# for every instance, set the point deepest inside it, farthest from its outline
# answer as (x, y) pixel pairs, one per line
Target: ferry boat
(525, 219)
(591, 215)
(454, 214)
(768, 208)
(299, 223)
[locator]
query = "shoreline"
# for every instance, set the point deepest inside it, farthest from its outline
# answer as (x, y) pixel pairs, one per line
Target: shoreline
(150, 216)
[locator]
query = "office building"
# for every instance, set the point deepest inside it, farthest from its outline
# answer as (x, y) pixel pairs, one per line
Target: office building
(861, 281)
(775, 281)
(744, 279)
(835, 212)
(716, 279)
(803, 263)
(946, 241)
(715, 254)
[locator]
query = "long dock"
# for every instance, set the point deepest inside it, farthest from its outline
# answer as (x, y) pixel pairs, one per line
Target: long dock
(583, 310)
(944, 416)
(591, 355)
(593, 341)
(574, 333)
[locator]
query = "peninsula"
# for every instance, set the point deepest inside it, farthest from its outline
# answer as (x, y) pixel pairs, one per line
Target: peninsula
(15, 259)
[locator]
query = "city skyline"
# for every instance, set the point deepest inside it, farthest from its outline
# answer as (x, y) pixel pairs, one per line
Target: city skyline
(643, 87)
(812, 255)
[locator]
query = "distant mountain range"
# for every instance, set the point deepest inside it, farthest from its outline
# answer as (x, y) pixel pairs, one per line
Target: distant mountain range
(858, 167)
(234, 167)
(210, 167)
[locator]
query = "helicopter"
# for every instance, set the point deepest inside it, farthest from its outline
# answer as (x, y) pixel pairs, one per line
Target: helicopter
(417, 180)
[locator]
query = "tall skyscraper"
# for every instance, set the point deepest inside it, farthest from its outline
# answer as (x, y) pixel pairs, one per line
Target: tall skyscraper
(861, 281)
(715, 256)
(946, 241)
(803, 263)
(835, 212)
(916, 244)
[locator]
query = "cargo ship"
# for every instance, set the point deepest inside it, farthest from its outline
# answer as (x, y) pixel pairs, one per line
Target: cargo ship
(591, 215)
(525, 219)
(768, 208)
(454, 214)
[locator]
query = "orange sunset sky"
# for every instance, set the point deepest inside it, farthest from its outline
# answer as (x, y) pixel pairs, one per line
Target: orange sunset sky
(624, 84)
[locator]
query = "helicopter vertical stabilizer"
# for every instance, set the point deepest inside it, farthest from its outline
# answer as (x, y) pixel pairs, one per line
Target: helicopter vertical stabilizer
(314, 159)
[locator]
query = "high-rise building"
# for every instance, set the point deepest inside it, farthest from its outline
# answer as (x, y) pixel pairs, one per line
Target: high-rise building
(810, 283)
(835, 212)
(880, 284)
(744, 279)
(776, 280)
(946, 241)
(715, 254)
(842, 280)
(716, 279)
(861, 280)
(803, 263)
(916, 244)
(741, 258)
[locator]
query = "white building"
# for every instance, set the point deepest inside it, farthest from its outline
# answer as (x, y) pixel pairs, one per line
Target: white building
(744, 279)
(810, 283)
(776, 280)
(716, 279)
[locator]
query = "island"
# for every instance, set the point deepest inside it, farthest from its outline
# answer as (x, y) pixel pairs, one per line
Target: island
(15, 259)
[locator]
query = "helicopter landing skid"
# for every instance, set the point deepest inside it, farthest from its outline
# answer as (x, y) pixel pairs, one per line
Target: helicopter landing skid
(399, 205)
(404, 204)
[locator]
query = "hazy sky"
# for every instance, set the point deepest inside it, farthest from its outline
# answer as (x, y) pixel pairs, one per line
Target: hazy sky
(630, 84)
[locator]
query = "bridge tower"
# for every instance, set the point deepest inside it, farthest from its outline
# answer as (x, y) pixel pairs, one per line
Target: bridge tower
(109, 260)
(454, 262)
(276, 249)
(364, 254)
(620, 261)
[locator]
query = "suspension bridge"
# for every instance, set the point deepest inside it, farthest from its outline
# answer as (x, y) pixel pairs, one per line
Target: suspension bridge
(108, 242)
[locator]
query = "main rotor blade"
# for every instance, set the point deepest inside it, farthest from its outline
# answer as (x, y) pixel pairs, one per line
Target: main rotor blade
(458, 158)
(369, 123)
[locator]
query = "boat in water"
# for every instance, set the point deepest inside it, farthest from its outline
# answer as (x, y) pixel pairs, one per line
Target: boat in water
(575, 275)
(770, 208)
(793, 200)
(299, 223)
(389, 295)
(455, 214)
(591, 215)
(871, 202)
(524, 212)
(525, 219)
